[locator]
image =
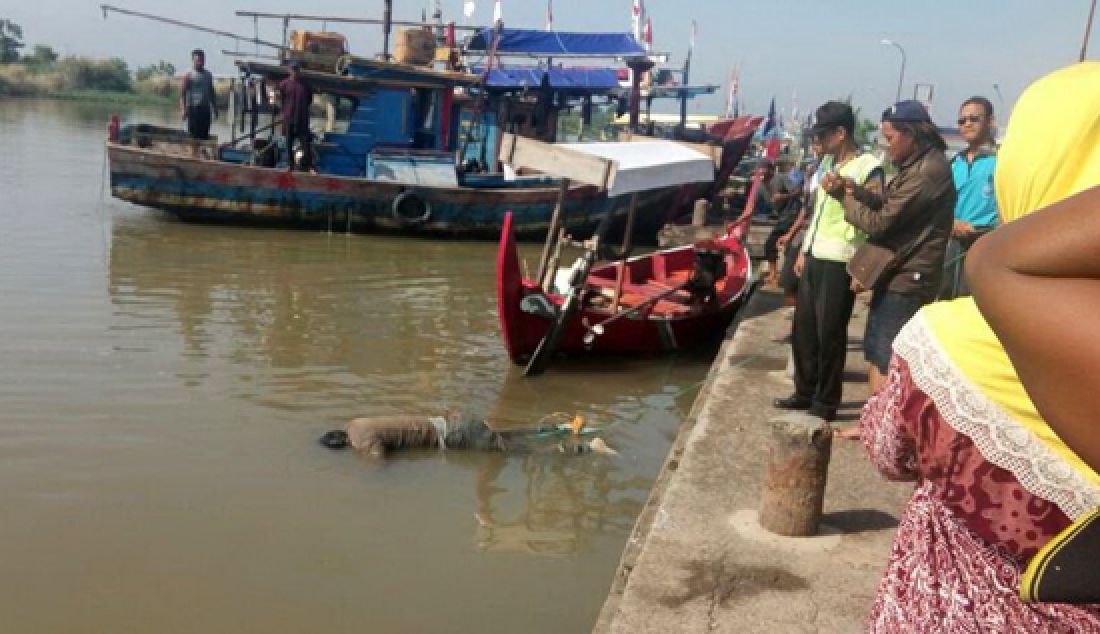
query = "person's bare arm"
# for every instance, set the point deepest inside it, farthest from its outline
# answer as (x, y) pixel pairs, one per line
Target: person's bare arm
(799, 222)
(1037, 282)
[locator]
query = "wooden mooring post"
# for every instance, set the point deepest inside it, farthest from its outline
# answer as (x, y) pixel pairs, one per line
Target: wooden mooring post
(798, 466)
(699, 213)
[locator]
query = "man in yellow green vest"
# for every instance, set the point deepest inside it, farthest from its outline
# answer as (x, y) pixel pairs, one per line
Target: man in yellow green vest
(825, 297)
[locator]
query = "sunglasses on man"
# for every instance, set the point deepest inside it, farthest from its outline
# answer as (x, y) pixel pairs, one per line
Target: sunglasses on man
(970, 118)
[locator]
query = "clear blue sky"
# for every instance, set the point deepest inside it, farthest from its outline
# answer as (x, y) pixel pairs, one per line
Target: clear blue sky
(821, 49)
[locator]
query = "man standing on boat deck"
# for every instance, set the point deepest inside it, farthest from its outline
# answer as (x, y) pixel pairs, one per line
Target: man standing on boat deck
(197, 105)
(297, 96)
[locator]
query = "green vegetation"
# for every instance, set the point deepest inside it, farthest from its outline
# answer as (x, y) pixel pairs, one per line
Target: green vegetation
(11, 40)
(161, 69)
(43, 73)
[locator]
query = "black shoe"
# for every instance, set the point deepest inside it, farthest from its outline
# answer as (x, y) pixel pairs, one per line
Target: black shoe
(792, 402)
(828, 414)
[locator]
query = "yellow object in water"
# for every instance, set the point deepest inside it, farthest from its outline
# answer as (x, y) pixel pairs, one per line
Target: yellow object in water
(577, 424)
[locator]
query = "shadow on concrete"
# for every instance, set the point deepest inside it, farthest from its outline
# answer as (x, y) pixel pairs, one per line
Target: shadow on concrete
(849, 411)
(722, 582)
(771, 302)
(757, 362)
(857, 521)
(855, 376)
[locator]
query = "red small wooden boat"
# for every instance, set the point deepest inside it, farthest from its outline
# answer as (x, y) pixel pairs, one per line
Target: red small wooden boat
(662, 301)
(666, 315)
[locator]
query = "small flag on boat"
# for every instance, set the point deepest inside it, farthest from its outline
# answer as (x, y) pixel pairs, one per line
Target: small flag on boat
(769, 123)
(647, 35)
(731, 96)
(694, 32)
(636, 13)
(468, 9)
(498, 13)
(549, 15)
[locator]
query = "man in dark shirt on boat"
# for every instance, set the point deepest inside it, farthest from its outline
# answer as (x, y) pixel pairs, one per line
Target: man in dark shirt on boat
(197, 105)
(297, 96)
(380, 434)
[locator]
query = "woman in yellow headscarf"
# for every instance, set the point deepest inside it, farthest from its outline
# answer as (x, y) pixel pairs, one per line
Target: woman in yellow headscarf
(994, 482)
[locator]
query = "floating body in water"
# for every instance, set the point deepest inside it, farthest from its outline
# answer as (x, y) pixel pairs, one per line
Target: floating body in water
(378, 435)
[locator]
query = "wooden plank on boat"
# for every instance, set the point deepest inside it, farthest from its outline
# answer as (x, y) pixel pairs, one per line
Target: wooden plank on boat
(556, 160)
(618, 168)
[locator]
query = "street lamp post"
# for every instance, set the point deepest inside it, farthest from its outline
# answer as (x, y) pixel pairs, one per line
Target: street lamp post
(1088, 31)
(1000, 97)
(901, 75)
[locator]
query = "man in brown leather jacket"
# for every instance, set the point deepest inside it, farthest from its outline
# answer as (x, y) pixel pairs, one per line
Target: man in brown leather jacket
(912, 218)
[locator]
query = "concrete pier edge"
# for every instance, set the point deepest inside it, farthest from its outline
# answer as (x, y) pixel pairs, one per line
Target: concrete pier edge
(697, 561)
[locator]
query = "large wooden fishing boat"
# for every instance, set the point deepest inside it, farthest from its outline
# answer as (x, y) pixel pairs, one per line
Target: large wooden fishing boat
(403, 147)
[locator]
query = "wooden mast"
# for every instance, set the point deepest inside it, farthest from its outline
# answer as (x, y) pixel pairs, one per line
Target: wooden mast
(620, 277)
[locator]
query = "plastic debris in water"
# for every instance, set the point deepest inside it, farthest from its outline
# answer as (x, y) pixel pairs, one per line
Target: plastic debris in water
(577, 424)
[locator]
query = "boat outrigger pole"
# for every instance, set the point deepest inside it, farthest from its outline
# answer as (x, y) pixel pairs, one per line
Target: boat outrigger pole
(301, 17)
(106, 8)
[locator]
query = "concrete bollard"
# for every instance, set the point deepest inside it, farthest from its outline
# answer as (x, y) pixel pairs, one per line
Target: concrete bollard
(699, 214)
(798, 465)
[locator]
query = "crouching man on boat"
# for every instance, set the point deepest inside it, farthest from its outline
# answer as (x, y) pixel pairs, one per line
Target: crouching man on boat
(378, 435)
(296, 98)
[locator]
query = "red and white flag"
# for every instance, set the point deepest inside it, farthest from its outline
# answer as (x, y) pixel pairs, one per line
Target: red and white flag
(647, 35)
(637, 14)
(731, 98)
(549, 15)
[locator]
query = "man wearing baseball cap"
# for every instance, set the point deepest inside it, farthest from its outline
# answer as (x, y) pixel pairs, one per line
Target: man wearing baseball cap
(911, 219)
(819, 338)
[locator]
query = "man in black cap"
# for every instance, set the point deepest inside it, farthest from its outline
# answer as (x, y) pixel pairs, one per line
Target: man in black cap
(911, 220)
(297, 96)
(825, 297)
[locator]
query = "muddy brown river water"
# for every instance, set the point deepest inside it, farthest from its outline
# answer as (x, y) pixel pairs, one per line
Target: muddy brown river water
(162, 387)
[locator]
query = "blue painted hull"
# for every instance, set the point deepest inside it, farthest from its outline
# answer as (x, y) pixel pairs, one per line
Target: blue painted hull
(204, 190)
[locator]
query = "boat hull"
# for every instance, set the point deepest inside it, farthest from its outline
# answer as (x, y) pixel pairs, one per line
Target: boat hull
(203, 190)
(652, 331)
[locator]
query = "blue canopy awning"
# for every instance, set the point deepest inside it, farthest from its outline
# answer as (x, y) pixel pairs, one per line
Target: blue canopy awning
(560, 43)
(584, 79)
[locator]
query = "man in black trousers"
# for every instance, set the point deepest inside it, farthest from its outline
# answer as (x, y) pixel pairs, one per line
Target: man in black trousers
(825, 297)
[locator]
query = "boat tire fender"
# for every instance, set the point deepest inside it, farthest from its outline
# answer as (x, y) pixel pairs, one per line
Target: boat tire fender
(410, 209)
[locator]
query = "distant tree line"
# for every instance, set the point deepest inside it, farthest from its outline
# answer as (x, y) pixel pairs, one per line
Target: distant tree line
(43, 71)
